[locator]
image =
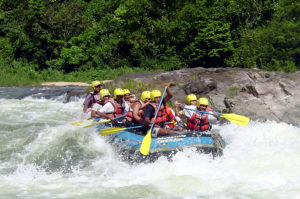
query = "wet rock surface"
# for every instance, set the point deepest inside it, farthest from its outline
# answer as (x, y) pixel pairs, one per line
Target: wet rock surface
(258, 94)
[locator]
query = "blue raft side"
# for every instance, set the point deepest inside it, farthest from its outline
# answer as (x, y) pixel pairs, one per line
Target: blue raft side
(133, 141)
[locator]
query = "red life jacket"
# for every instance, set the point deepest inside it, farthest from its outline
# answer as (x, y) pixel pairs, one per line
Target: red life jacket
(199, 121)
(129, 114)
(118, 108)
(161, 115)
(170, 116)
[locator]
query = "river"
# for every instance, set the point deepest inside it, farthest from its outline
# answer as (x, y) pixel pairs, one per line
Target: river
(43, 156)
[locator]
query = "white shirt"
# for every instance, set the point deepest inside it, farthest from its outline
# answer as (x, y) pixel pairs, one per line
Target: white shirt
(96, 107)
(189, 113)
(109, 108)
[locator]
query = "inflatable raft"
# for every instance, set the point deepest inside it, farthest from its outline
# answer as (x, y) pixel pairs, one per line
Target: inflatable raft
(128, 142)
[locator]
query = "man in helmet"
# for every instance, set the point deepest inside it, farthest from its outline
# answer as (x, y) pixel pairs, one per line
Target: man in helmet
(134, 116)
(126, 94)
(114, 108)
(191, 103)
(200, 121)
(162, 116)
(104, 98)
(92, 97)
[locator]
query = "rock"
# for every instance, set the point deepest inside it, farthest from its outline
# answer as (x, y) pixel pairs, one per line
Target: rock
(258, 94)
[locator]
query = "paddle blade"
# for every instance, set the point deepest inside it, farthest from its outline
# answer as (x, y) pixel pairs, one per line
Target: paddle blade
(104, 121)
(111, 131)
(77, 123)
(236, 119)
(145, 146)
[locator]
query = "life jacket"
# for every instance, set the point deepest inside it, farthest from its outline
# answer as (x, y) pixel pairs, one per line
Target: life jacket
(199, 121)
(170, 117)
(118, 108)
(161, 115)
(95, 98)
(129, 114)
(102, 102)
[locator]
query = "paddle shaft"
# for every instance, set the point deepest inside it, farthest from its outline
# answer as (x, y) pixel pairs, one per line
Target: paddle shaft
(219, 114)
(146, 143)
(160, 103)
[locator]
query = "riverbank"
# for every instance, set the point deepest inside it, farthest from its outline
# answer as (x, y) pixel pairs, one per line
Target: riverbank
(64, 84)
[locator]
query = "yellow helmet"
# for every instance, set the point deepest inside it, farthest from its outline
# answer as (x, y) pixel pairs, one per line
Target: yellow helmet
(145, 95)
(126, 91)
(154, 94)
(104, 92)
(118, 91)
(95, 83)
(189, 98)
(203, 101)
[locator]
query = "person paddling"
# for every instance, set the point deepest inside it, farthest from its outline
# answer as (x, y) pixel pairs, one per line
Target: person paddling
(159, 128)
(134, 116)
(104, 98)
(114, 108)
(92, 97)
(200, 121)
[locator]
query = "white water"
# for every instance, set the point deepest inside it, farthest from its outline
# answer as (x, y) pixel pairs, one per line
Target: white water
(42, 156)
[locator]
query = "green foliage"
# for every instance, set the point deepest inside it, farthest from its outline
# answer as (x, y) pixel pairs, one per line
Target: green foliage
(275, 46)
(78, 38)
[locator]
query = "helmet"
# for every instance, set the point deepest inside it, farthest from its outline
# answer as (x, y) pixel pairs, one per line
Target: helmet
(154, 94)
(95, 83)
(104, 92)
(126, 91)
(189, 98)
(145, 95)
(203, 101)
(118, 91)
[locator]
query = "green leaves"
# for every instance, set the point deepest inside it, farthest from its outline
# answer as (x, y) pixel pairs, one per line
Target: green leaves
(79, 35)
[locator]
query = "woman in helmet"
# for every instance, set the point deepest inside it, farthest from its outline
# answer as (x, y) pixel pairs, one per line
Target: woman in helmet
(92, 97)
(200, 121)
(114, 108)
(104, 98)
(152, 108)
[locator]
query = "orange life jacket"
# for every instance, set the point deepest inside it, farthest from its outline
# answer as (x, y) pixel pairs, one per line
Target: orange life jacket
(170, 116)
(118, 108)
(199, 121)
(161, 115)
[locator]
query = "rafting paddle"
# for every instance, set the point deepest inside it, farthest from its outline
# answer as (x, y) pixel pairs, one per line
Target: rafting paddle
(79, 122)
(103, 121)
(145, 146)
(116, 130)
(234, 118)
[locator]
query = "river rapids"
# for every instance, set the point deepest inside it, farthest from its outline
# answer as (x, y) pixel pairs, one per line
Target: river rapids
(43, 156)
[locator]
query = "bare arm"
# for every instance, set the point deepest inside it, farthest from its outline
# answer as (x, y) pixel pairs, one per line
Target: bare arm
(169, 93)
(135, 111)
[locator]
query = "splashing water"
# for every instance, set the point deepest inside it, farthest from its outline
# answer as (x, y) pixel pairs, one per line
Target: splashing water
(42, 156)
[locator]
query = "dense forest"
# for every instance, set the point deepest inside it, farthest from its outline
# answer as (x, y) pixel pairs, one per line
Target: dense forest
(47, 39)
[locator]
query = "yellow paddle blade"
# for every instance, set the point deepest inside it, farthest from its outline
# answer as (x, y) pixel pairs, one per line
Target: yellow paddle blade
(79, 122)
(104, 121)
(111, 131)
(236, 119)
(145, 146)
